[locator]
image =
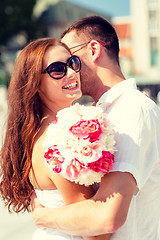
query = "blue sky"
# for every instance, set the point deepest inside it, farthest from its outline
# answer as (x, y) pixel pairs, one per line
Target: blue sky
(114, 8)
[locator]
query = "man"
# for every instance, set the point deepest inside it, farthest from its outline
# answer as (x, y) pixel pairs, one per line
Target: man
(127, 201)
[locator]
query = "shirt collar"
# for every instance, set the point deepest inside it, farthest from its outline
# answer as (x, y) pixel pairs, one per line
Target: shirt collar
(113, 93)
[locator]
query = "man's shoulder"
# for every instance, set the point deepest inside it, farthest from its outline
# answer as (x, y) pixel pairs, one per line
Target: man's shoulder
(135, 99)
(133, 105)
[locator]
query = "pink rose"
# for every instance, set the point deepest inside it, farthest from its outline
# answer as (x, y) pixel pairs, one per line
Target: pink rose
(87, 129)
(87, 151)
(104, 163)
(74, 169)
(54, 159)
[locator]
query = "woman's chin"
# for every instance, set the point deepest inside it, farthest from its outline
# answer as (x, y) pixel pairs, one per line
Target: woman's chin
(75, 95)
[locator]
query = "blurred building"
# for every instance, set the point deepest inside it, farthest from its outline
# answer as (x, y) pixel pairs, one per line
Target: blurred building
(56, 15)
(123, 26)
(146, 36)
(139, 39)
(145, 16)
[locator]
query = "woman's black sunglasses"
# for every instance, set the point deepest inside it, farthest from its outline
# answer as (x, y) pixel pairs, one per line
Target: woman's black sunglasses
(58, 70)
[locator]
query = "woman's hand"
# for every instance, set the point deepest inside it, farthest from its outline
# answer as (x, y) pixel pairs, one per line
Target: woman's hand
(36, 208)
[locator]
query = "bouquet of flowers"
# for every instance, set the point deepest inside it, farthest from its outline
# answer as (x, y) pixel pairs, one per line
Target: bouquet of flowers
(79, 144)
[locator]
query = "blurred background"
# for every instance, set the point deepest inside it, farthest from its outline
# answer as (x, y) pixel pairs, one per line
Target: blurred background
(138, 27)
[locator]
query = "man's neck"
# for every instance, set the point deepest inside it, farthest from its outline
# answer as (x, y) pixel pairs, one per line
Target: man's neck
(106, 85)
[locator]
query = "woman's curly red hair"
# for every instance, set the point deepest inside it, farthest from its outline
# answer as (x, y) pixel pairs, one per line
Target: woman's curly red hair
(24, 118)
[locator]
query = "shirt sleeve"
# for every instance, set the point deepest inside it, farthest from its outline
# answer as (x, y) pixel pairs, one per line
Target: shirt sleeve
(137, 137)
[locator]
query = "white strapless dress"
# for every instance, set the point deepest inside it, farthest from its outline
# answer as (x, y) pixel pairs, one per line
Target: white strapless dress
(51, 199)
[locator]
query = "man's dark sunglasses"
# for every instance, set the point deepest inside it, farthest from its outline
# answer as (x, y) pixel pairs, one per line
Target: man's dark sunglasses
(58, 70)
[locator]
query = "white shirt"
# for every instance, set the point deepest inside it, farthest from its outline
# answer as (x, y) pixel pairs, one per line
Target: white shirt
(136, 121)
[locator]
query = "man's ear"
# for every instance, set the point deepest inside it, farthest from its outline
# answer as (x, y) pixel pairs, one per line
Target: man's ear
(95, 49)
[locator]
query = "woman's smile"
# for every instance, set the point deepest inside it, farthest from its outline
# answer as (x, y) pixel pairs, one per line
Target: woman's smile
(71, 85)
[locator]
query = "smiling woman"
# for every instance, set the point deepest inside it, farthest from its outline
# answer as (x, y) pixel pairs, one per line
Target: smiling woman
(29, 112)
(60, 80)
(34, 99)
(45, 81)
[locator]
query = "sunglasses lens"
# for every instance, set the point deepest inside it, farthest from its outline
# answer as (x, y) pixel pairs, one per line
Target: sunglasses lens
(57, 70)
(74, 63)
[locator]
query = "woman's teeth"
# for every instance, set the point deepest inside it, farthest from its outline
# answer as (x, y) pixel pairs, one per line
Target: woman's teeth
(70, 86)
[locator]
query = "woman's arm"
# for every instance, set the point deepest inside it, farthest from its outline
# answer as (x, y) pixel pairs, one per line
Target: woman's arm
(42, 177)
(106, 211)
(72, 193)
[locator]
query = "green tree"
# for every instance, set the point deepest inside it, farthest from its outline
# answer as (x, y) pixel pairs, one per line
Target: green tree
(16, 16)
